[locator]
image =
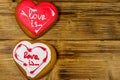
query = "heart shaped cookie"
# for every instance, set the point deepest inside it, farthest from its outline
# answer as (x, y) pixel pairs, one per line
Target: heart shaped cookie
(34, 60)
(35, 19)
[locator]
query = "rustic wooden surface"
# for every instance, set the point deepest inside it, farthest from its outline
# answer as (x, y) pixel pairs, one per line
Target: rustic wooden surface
(86, 37)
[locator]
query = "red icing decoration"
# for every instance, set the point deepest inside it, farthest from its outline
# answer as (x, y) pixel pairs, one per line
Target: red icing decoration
(30, 57)
(36, 17)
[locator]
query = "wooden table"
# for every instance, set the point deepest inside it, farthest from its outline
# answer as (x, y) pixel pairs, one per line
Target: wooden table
(86, 37)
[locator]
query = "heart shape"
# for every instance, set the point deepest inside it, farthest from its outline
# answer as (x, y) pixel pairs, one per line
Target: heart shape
(34, 60)
(35, 19)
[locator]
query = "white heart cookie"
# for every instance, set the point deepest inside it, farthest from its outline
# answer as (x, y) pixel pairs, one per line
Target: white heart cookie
(34, 58)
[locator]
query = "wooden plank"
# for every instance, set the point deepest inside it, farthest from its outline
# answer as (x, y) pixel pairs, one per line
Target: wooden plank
(80, 21)
(76, 60)
(82, 50)
(68, 47)
(64, 69)
(74, 8)
(80, 29)
(89, 50)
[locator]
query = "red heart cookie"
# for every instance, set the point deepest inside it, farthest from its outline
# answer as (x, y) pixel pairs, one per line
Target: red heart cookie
(35, 19)
(34, 60)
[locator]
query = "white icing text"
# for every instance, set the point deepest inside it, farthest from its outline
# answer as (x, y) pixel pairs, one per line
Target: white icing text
(34, 17)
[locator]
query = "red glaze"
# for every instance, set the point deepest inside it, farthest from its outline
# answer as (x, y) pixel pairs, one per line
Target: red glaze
(36, 17)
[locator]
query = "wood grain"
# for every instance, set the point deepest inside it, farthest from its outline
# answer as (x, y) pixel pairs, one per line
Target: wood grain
(86, 37)
(78, 21)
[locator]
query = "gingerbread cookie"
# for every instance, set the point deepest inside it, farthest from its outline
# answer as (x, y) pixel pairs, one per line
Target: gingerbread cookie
(35, 19)
(34, 60)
